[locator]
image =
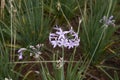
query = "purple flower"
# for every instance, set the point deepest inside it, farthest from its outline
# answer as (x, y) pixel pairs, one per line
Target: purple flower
(20, 51)
(58, 38)
(61, 33)
(74, 41)
(108, 21)
(53, 39)
(64, 38)
(63, 42)
(20, 56)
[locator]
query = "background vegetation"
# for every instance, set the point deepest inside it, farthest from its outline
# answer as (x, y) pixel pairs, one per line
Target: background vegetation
(28, 22)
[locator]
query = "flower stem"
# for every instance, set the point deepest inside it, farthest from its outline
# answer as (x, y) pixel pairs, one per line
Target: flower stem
(62, 68)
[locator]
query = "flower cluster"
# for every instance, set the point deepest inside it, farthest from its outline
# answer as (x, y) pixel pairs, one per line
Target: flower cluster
(108, 21)
(64, 38)
(34, 50)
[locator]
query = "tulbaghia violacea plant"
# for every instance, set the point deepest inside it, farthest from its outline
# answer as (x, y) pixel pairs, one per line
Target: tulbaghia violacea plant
(108, 21)
(34, 50)
(61, 38)
(67, 39)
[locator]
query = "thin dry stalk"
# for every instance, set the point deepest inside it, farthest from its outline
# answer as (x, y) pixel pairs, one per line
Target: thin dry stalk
(2, 9)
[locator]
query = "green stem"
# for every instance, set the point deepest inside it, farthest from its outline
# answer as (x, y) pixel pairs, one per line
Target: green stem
(11, 25)
(62, 69)
(110, 5)
(64, 15)
(102, 34)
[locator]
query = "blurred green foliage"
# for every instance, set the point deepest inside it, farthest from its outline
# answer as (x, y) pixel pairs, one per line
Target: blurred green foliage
(29, 22)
